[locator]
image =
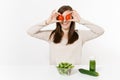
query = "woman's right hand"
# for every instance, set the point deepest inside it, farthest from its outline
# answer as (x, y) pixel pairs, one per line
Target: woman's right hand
(53, 17)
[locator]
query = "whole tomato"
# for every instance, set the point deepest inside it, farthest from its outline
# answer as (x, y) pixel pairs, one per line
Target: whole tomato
(60, 17)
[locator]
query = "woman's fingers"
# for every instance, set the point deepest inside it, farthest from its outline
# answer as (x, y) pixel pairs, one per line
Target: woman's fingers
(75, 15)
(70, 12)
(74, 20)
(58, 13)
(58, 21)
(54, 11)
(71, 20)
(74, 11)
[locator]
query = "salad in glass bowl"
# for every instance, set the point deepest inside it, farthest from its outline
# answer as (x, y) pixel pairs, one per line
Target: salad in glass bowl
(64, 68)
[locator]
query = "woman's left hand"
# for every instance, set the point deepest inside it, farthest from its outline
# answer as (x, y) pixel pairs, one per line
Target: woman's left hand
(76, 16)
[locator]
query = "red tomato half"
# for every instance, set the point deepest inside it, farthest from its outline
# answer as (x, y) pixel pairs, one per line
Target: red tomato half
(68, 17)
(60, 17)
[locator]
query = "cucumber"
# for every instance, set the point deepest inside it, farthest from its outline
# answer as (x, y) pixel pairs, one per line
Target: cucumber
(92, 73)
(92, 65)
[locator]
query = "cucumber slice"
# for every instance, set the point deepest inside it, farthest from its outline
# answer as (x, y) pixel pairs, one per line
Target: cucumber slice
(92, 73)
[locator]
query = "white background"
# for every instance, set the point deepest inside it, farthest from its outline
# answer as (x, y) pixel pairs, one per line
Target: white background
(18, 48)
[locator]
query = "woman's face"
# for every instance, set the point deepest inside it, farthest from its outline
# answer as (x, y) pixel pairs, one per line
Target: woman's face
(65, 23)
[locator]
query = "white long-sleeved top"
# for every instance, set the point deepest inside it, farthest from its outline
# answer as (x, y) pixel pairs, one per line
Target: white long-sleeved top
(66, 53)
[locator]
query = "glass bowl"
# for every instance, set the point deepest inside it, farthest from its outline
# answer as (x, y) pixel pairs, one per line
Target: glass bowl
(64, 71)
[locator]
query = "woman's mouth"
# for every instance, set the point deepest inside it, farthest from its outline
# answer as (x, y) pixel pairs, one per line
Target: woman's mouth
(64, 23)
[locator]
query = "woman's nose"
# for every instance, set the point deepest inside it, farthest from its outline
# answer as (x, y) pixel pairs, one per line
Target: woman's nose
(64, 19)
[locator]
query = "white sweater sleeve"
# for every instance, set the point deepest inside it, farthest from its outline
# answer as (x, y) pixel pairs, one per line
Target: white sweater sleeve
(93, 32)
(35, 31)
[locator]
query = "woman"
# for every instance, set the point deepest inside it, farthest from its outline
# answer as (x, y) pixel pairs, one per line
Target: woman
(65, 42)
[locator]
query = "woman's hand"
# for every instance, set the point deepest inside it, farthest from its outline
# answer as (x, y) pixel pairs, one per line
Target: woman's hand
(76, 16)
(53, 18)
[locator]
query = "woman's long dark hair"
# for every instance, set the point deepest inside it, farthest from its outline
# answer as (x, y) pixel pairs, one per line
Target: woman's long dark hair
(58, 33)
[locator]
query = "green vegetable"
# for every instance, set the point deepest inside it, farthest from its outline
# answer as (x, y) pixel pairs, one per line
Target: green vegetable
(64, 68)
(65, 65)
(92, 65)
(92, 73)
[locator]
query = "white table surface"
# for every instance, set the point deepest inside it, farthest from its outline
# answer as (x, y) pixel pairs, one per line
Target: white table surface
(49, 72)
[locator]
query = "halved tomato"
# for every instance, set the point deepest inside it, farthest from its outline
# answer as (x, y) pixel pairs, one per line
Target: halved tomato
(60, 17)
(68, 17)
